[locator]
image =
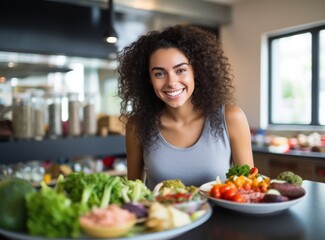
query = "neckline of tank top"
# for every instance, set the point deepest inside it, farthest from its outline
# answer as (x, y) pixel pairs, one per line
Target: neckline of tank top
(161, 137)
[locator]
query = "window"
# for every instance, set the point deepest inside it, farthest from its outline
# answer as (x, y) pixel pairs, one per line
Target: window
(297, 78)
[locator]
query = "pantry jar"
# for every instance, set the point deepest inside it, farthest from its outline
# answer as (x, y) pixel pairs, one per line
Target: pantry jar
(54, 106)
(74, 128)
(89, 115)
(38, 114)
(22, 116)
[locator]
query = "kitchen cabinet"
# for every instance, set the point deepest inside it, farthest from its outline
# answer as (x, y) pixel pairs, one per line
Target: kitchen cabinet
(310, 166)
(52, 149)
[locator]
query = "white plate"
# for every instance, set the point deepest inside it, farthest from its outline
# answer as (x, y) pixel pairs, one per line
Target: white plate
(167, 234)
(250, 208)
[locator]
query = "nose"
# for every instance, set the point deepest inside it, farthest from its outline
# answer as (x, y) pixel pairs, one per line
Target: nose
(172, 80)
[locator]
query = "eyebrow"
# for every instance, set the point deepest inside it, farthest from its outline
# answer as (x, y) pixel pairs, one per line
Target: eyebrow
(176, 66)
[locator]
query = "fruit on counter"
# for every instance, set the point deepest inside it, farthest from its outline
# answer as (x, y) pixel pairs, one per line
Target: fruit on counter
(290, 177)
(13, 194)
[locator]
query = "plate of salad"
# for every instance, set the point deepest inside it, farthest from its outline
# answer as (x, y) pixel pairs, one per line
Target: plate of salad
(247, 191)
(81, 206)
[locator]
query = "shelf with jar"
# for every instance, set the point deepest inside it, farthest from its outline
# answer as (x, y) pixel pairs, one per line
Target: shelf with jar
(36, 130)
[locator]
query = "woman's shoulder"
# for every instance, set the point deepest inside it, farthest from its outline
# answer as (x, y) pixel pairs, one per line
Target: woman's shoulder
(234, 114)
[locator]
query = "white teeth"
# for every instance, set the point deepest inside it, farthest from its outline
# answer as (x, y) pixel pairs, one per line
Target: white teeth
(174, 93)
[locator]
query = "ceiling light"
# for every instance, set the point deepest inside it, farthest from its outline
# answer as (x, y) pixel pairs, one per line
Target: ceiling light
(111, 35)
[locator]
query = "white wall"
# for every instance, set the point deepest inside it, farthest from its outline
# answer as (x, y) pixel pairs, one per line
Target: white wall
(242, 42)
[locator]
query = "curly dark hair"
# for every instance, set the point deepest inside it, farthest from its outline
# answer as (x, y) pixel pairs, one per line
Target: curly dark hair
(213, 81)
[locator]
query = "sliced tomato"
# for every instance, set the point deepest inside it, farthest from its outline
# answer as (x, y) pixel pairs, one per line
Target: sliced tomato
(240, 198)
(229, 194)
(215, 192)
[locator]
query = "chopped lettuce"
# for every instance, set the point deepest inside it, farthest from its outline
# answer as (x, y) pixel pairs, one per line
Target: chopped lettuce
(53, 214)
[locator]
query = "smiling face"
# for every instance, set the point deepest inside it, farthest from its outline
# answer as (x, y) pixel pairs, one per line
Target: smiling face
(172, 76)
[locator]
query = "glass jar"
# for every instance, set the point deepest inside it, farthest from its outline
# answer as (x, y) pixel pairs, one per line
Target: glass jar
(89, 115)
(54, 106)
(38, 106)
(74, 128)
(22, 116)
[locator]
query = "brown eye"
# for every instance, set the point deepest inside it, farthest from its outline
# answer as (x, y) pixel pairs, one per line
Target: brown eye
(180, 70)
(159, 74)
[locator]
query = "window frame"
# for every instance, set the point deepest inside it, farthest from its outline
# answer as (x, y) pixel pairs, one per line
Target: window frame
(315, 75)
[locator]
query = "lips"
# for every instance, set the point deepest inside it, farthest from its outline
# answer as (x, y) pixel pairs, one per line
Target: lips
(175, 93)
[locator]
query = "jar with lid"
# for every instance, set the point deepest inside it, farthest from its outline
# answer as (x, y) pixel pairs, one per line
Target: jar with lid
(74, 128)
(22, 116)
(54, 106)
(89, 115)
(38, 115)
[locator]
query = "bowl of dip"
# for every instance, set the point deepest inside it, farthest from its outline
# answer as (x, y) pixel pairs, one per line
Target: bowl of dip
(109, 222)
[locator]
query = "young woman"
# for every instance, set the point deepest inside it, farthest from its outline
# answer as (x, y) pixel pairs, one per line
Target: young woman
(177, 103)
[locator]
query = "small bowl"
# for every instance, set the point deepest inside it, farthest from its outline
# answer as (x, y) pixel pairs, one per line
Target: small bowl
(109, 231)
(191, 206)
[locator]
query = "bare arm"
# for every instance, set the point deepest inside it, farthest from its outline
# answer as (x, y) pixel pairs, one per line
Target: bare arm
(133, 154)
(240, 137)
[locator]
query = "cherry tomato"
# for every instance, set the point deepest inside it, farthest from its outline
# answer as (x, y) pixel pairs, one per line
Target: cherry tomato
(254, 171)
(224, 188)
(215, 192)
(229, 194)
(240, 198)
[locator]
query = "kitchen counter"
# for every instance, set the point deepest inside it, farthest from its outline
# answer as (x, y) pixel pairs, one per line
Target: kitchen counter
(309, 165)
(303, 221)
(298, 153)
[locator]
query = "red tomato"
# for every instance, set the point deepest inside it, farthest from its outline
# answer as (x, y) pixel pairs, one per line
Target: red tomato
(225, 188)
(240, 198)
(229, 194)
(254, 171)
(215, 192)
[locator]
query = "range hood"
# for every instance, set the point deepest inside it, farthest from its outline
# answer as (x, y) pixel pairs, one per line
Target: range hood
(206, 13)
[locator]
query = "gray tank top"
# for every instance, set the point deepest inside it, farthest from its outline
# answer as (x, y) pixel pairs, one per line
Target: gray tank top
(208, 158)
